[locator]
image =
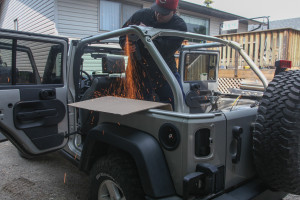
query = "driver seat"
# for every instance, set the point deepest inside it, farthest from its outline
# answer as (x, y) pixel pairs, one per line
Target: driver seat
(101, 86)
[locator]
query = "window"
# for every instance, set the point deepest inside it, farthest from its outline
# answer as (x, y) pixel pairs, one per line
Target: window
(24, 62)
(97, 60)
(200, 67)
(114, 14)
(196, 24)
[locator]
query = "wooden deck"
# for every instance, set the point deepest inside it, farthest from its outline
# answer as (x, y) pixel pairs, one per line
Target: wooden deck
(245, 73)
(264, 47)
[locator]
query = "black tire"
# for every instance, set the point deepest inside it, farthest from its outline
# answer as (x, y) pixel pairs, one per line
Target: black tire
(276, 136)
(119, 169)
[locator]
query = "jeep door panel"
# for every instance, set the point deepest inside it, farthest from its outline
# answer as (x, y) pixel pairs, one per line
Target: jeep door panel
(33, 91)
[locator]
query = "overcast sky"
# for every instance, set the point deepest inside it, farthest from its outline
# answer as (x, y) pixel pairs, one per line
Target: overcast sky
(276, 9)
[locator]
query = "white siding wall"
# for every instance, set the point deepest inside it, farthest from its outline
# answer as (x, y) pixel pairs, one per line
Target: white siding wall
(33, 16)
(215, 25)
(77, 18)
(70, 18)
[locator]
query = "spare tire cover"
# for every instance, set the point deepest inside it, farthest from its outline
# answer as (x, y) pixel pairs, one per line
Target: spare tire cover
(276, 136)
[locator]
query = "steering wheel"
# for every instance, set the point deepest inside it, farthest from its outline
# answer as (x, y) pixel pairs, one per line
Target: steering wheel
(84, 82)
(88, 76)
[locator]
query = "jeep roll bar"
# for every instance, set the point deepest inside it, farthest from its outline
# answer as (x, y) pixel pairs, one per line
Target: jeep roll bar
(147, 34)
(232, 44)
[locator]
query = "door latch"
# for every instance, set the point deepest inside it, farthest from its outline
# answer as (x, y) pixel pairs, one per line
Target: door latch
(236, 144)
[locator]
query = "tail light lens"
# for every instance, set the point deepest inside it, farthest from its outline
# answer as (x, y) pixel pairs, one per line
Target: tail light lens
(283, 64)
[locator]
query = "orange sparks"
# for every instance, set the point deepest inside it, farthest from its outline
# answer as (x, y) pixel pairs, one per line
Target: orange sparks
(129, 72)
(119, 123)
(75, 157)
(131, 86)
(65, 176)
(103, 132)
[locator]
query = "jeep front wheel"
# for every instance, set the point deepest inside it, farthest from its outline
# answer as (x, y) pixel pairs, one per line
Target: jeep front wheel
(115, 177)
(109, 189)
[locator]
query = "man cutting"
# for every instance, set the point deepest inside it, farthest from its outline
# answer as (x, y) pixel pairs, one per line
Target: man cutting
(162, 14)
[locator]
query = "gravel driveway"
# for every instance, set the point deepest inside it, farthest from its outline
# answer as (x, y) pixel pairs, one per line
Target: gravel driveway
(43, 177)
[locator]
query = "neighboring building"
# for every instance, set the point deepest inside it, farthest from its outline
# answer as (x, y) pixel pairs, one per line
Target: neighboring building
(293, 23)
(77, 18)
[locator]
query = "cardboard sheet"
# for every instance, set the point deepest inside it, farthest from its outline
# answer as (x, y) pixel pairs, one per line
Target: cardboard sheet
(119, 106)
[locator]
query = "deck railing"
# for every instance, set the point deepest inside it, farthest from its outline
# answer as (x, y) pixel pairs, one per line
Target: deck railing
(264, 47)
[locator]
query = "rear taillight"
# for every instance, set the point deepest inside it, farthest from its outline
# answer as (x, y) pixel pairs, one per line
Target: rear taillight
(283, 64)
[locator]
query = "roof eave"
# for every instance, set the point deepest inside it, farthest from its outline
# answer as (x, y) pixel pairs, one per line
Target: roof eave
(212, 12)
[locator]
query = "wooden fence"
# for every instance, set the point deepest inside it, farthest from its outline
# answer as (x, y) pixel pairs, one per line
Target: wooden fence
(264, 47)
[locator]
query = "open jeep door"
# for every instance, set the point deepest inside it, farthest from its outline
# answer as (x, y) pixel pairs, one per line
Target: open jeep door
(33, 91)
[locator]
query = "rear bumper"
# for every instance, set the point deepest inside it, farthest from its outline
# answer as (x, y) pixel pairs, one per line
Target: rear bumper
(254, 190)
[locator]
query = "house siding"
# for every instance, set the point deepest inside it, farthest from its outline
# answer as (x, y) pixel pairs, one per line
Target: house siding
(72, 18)
(33, 16)
(215, 23)
(78, 19)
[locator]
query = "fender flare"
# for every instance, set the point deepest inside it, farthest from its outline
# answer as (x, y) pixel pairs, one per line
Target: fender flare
(143, 148)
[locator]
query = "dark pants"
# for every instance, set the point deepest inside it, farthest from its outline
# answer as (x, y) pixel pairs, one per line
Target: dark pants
(153, 82)
(165, 93)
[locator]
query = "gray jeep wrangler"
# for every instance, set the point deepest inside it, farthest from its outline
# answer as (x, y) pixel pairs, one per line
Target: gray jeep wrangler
(211, 145)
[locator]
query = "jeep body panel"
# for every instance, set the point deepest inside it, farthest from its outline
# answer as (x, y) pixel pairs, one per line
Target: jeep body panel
(241, 169)
(220, 127)
(143, 148)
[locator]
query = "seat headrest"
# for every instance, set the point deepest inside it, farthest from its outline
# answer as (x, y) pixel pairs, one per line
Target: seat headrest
(5, 74)
(113, 64)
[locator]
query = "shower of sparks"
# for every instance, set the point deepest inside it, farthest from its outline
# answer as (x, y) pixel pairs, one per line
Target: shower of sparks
(131, 87)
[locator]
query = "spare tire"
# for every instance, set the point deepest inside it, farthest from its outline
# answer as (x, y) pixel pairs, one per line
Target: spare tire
(276, 136)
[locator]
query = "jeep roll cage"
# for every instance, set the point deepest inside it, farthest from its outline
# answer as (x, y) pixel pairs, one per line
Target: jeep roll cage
(146, 35)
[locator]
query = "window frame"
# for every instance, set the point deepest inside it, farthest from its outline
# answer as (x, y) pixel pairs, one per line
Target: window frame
(200, 52)
(16, 24)
(14, 66)
(199, 17)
